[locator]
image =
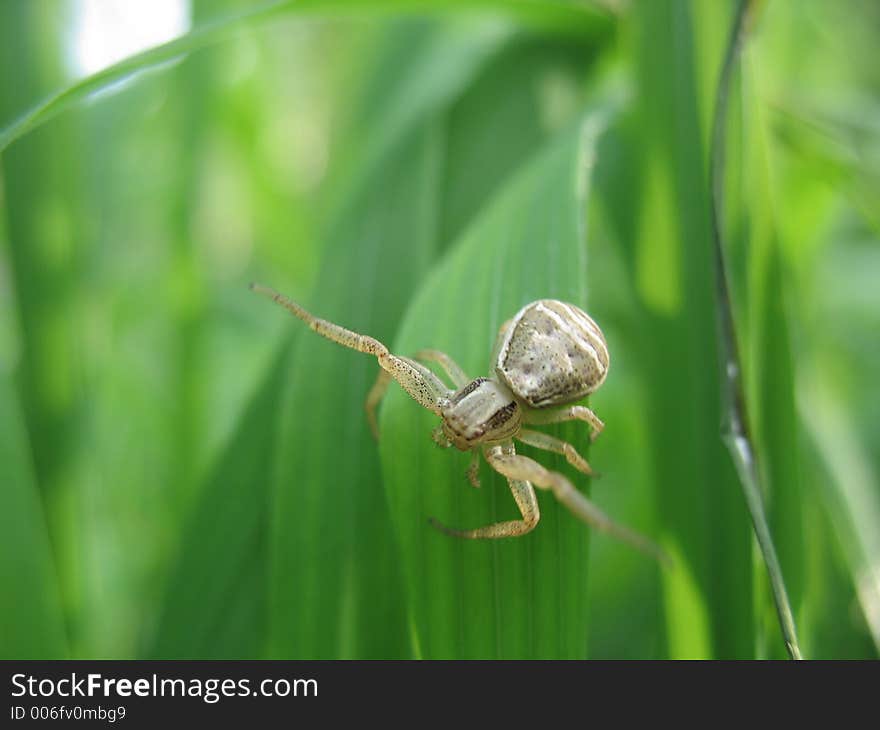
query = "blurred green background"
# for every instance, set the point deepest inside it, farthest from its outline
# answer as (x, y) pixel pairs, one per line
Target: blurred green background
(186, 473)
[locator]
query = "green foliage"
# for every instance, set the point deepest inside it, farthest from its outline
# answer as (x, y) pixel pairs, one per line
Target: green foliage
(185, 471)
(33, 623)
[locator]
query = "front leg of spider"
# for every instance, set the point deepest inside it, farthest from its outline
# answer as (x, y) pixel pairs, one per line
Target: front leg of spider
(421, 384)
(380, 387)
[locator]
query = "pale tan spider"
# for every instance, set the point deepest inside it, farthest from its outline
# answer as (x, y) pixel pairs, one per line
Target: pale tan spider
(550, 354)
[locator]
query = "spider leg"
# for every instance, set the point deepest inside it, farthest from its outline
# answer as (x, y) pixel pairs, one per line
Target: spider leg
(558, 446)
(473, 470)
(571, 413)
(421, 384)
(377, 392)
(523, 495)
(439, 438)
(450, 367)
(516, 467)
(374, 397)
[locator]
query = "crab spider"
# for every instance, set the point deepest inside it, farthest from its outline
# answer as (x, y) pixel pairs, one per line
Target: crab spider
(547, 356)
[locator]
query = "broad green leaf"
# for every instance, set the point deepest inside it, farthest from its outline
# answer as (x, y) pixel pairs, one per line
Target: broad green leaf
(40, 209)
(534, 80)
(30, 603)
(42, 204)
(215, 604)
(848, 489)
(410, 80)
(511, 598)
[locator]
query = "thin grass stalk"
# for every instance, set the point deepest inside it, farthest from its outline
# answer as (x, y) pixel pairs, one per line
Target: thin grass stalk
(735, 430)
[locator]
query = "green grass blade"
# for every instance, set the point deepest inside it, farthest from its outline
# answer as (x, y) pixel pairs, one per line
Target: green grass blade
(522, 597)
(215, 604)
(849, 491)
(81, 90)
(30, 602)
(536, 81)
(582, 19)
(41, 205)
(736, 431)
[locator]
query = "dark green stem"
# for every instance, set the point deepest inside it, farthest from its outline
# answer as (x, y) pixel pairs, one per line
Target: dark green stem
(735, 428)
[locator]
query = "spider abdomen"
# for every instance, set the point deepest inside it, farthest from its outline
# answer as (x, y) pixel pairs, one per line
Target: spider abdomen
(552, 353)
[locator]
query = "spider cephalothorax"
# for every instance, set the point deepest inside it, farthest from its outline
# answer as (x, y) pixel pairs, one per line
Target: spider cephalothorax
(482, 412)
(549, 355)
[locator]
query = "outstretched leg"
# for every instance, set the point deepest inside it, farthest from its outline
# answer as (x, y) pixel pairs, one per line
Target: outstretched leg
(557, 446)
(377, 392)
(572, 413)
(516, 467)
(523, 494)
(421, 384)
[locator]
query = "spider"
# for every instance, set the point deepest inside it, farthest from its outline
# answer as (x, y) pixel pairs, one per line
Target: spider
(549, 355)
